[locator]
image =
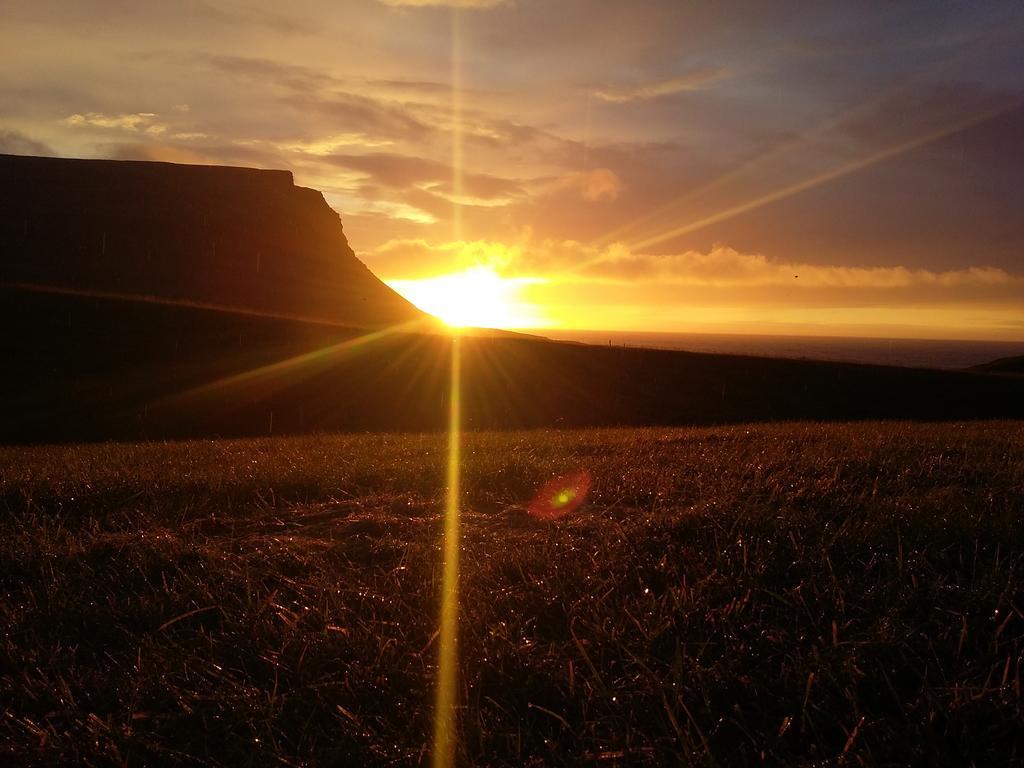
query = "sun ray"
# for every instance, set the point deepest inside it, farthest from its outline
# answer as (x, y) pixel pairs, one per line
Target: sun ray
(803, 141)
(831, 175)
(306, 364)
(810, 182)
(447, 664)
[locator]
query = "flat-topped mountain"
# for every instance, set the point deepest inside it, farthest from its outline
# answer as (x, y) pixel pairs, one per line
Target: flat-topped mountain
(235, 237)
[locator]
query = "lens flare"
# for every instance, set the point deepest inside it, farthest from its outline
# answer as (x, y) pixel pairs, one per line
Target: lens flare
(560, 496)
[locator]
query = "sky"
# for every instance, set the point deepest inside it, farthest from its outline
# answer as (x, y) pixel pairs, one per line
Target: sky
(827, 168)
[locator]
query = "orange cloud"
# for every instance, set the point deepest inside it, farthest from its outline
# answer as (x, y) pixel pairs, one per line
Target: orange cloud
(598, 185)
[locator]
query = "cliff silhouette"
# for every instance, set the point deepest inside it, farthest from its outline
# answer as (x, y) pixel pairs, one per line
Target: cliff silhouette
(235, 237)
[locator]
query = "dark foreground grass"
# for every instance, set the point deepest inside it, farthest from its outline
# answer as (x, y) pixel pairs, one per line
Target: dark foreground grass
(792, 594)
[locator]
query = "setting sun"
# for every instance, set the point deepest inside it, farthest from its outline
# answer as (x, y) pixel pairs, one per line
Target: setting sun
(476, 297)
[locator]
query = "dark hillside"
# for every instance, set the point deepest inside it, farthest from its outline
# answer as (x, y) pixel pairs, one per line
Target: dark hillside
(1010, 365)
(85, 368)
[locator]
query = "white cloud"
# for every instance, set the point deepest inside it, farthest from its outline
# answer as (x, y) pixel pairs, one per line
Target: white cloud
(132, 121)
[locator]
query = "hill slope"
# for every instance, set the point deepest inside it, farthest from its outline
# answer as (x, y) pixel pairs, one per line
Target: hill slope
(82, 368)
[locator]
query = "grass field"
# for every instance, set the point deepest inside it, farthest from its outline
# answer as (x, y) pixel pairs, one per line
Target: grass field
(784, 594)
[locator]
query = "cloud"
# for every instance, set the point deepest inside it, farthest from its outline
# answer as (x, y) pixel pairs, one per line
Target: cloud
(17, 143)
(411, 259)
(325, 145)
(255, 17)
(598, 185)
(406, 171)
(170, 18)
(429, 87)
(292, 76)
(395, 210)
(720, 267)
(393, 170)
(693, 81)
(132, 121)
(724, 267)
(311, 91)
(444, 3)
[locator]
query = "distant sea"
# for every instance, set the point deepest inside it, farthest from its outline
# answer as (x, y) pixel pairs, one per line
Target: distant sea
(911, 353)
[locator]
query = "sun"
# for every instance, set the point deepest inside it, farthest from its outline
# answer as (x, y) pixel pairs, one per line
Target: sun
(477, 297)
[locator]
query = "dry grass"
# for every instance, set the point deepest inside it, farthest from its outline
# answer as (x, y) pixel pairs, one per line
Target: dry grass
(789, 594)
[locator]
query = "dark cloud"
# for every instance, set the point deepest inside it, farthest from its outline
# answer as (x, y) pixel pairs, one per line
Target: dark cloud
(360, 113)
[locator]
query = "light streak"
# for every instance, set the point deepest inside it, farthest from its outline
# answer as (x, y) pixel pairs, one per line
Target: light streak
(826, 176)
(445, 723)
(306, 363)
(806, 140)
(810, 182)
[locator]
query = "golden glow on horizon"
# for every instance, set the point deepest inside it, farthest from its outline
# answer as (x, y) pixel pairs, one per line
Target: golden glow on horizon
(476, 297)
(627, 292)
